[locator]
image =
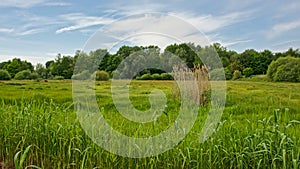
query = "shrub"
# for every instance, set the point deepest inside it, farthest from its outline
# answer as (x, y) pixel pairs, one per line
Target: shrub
(146, 77)
(217, 74)
(166, 76)
(84, 75)
(58, 78)
(228, 74)
(237, 74)
(289, 72)
(101, 75)
(285, 69)
(34, 76)
(4, 75)
(24, 75)
(156, 76)
(248, 72)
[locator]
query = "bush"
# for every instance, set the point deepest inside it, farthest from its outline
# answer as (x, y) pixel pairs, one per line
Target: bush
(146, 77)
(217, 74)
(34, 75)
(248, 72)
(101, 75)
(285, 69)
(26, 75)
(58, 78)
(4, 75)
(228, 74)
(84, 75)
(237, 74)
(289, 72)
(166, 76)
(156, 76)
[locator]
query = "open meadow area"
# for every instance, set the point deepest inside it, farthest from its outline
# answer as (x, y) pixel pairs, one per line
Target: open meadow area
(259, 128)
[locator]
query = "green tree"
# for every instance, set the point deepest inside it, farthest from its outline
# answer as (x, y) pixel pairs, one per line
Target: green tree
(17, 65)
(4, 75)
(223, 54)
(228, 74)
(41, 71)
(185, 52)
(248, 72)
(101, 75)
(25, 75)
(62, 66)
(166, 76)
(285, 69)
(236, 65)
(237, 74)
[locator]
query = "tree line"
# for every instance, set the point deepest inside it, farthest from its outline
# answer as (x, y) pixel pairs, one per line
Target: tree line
(279, 66)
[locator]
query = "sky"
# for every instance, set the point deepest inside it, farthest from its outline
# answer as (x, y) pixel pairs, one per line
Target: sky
(37, 30)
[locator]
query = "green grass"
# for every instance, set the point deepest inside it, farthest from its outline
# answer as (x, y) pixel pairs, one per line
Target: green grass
(260, 127)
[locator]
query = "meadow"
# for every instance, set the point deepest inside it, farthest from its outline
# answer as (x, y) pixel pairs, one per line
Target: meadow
(260, 127)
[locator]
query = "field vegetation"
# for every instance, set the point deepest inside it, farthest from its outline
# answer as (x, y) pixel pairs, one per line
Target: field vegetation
(260, 127)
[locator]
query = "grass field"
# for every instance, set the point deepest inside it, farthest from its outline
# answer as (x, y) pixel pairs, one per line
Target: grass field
(260, 127)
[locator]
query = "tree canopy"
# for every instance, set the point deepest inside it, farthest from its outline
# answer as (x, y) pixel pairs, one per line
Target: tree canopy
(249, 62)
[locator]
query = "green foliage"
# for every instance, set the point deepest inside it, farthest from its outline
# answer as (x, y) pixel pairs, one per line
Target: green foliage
(62, 66)
(4, 75)
(156, 76)
(58, 78)
(17, 65)
(250, 135)
(19, 163)
(84, 75)
(237, 74)
(235, 65)
(186, 52)
(289, 72)
(217, 74)
(26, 75)
(166, 76)
(228, 74)
(101, 75)
(41, 71)
(146, 77)
(285, 69)
(248, 72)
(34, 75)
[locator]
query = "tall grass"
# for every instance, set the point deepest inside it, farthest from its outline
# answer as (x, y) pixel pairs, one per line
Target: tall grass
(46, 134)
(198, 91)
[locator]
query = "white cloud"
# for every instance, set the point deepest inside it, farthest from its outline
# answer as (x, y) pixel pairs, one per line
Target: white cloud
(162, 29)
(30, 3)
(282, 28)
(209, 23)
(57, 4)
(31, 31)
(20, 3)
(234, 42)
(128, 10)
(286, 43)
(147, 29)
(29, 24)
(80, 21)
(5, 30)
(32, 59)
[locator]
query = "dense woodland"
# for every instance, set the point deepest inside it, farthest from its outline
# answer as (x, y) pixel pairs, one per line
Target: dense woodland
(280, 66)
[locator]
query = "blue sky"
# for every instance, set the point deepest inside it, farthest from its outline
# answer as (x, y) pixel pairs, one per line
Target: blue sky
(36, 30)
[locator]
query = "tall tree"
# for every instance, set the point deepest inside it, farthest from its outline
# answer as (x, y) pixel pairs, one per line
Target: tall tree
(17, 65)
